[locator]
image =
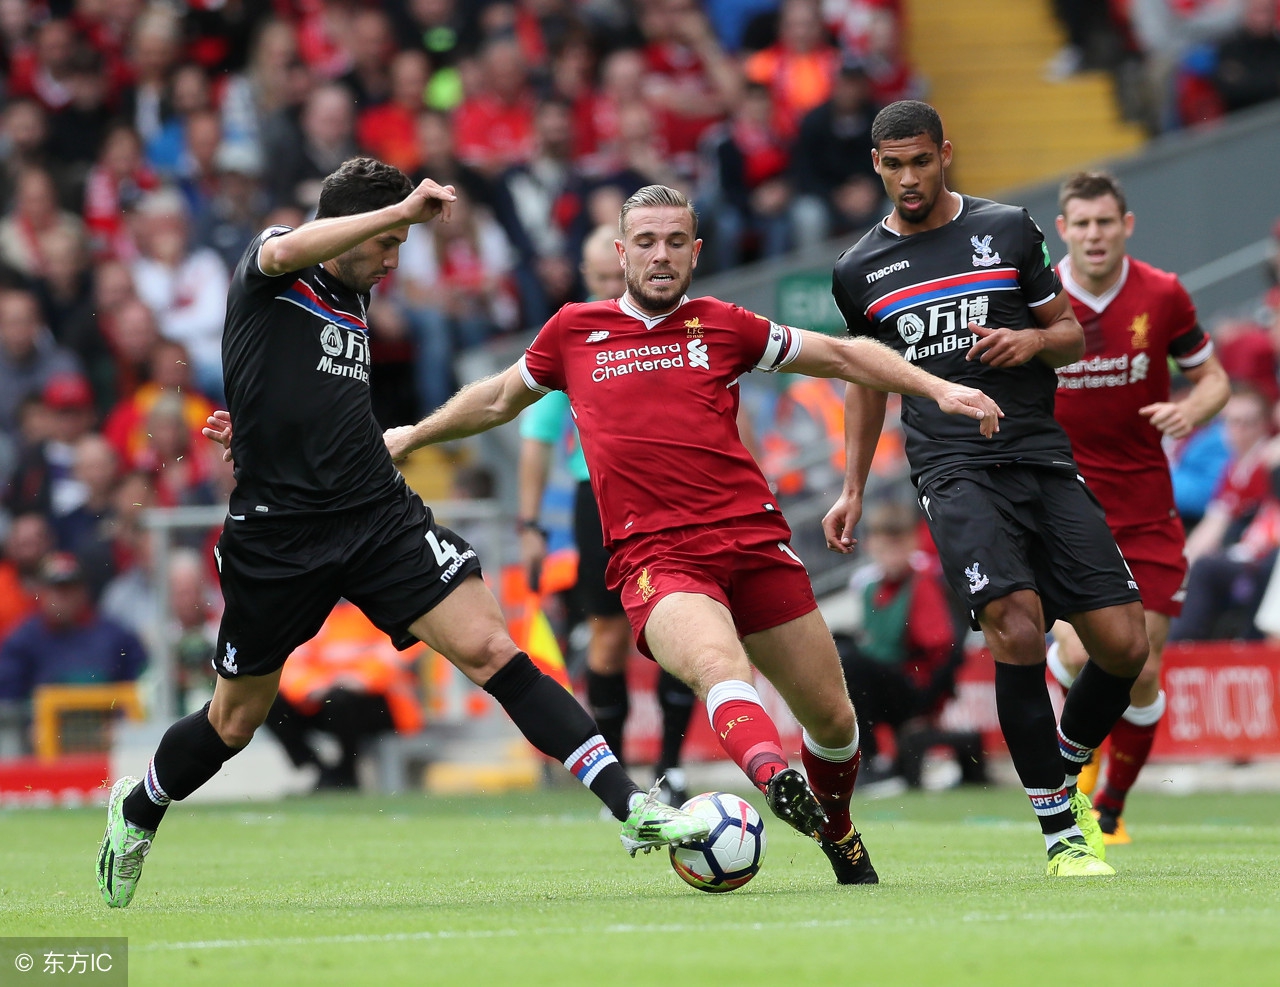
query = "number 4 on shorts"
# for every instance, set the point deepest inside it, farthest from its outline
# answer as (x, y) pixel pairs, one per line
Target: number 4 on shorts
(444, 550)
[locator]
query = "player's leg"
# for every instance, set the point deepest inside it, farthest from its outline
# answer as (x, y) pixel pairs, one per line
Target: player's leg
(1065, 657)
(799, 658)
(1134, 733)
(466, 626)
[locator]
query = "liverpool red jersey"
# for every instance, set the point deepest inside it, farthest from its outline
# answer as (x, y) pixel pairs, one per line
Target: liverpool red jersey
(1129, 334)
(656, 401)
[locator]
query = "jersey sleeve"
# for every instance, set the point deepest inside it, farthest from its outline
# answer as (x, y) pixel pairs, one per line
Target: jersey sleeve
(250, 272)
(855, 320)
(544, 420)
(542, 365)
(1036, 276)
(1189, 344)
(766, 345)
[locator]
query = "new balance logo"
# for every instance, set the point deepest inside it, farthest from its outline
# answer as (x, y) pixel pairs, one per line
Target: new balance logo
(597, 336)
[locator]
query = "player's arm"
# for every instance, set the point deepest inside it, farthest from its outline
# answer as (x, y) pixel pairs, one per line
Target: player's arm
(863, 420)
(323, 239)
(1058, 340)
(478, 407)
(1210, 388)
(868, 362)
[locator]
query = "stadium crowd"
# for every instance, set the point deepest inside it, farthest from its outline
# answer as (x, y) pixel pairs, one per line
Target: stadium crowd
(142, 144)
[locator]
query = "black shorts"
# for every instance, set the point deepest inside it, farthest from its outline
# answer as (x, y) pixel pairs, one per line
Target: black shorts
(1006, 528)
(282, 577)
(594, 597)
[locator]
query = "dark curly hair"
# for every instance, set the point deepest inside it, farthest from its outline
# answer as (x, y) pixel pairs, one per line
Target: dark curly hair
(362, 185)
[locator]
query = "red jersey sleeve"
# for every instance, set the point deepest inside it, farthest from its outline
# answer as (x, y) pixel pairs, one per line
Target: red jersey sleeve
(764, 345)
(1189, 344)
(542, 365)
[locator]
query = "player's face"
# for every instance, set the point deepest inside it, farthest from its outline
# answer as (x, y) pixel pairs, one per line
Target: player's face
(659, 253)
(912, 172)
(368, 263)
(1095, 232)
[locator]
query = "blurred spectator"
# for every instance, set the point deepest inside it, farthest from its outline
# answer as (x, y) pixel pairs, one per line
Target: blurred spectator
(453, 283)
(45, 478)
(187, 94)
(66, 641)
(837, 189)
(77, 130)
(126, 427)
(388, 131)
(690, 82)
(493, 128)
(448, 32)
(298, 166)
(546, 197)
(731, 17)
(65, 291)
(901, 666)
(42, 71)
(439, 162)
(198, 176)
(131, 332)
(192, 628)
(113, 188)
(35, 216)
(799, 68)
(371, 46)
(1248, 354)
(596, 113)
(1196, 465)
(154, 51)
(350, 682)
(1092, 41)
(234, 210)
(1246, 484)
(29, 356)
(86, 532)
(1165, 31)
(24, 139)
(1248, 61)
(185, 288)
(178, 462)
(259, 105)
(747, 193)
(29, 541)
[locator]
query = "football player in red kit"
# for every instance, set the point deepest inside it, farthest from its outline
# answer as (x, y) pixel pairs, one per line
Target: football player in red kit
(1114, 404)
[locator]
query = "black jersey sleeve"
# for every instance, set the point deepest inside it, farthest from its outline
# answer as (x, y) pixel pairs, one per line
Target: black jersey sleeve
(251, 275)
(1036, 276)
(855, 320)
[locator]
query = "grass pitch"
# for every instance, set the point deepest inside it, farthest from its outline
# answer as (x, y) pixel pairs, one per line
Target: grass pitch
(535, 889)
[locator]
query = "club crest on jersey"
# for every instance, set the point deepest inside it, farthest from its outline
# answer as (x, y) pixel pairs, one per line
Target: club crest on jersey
(331, 339)
(692, 327)
(644, 585)
(229, 660)
(1139, 329)
(911, 328)
(983, 256)
(977, 580)
(598, 336)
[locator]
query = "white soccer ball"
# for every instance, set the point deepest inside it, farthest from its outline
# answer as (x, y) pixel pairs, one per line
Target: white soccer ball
(731, 854)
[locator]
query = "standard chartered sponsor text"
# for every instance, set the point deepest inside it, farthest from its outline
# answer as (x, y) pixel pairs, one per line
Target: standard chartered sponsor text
(616, 363)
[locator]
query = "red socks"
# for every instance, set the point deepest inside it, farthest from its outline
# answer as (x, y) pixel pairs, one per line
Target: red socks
(1130, 747)
(832, 775)
(745, 731)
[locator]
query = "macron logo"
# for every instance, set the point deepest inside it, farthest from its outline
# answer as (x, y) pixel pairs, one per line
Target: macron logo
(875, 276)
(597, 336)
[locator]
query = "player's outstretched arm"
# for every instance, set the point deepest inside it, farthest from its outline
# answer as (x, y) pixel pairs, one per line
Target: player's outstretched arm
(1210, 389)
(323, 239)
(865, 361)
(476, 408)
(1058, 341)
(863, 419)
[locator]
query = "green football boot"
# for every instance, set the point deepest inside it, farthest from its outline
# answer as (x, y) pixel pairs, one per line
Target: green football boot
(124, 847)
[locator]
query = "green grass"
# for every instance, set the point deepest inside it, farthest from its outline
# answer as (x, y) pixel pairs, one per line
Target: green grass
(534, 889)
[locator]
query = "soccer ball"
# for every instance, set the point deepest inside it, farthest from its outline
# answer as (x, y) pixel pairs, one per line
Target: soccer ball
(731, 854)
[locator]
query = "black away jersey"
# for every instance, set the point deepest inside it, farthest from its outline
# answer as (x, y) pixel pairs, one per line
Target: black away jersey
(295, 356)
(918, 294)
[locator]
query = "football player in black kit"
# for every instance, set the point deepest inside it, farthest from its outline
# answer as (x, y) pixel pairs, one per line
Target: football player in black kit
(320, 512)
(964, 288)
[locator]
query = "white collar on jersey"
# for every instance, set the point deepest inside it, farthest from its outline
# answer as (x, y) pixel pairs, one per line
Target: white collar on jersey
(649, 321)
(1096, 302)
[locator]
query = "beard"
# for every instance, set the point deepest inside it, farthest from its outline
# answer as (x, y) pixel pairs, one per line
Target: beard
(920, 214)
(651, 301)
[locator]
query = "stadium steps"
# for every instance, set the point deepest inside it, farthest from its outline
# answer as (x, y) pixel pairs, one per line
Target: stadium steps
(984, 63)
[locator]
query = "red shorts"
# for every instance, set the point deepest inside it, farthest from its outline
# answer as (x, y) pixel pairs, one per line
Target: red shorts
(1155, 556)
(745, 563)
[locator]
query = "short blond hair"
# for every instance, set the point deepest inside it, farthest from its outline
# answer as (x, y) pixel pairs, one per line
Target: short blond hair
(656, 195)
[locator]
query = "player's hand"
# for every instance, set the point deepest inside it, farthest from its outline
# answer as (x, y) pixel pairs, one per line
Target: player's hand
(1003, 347)
(218, 430)
(840, 521)
(428, 201)
(399, 442)
(533, 552)
(1169, 418)
(956, 399)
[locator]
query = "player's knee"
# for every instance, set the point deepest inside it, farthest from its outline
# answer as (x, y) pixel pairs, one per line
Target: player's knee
(486, 656)
(1015, 637)
(1129, 652)
(237, 725)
